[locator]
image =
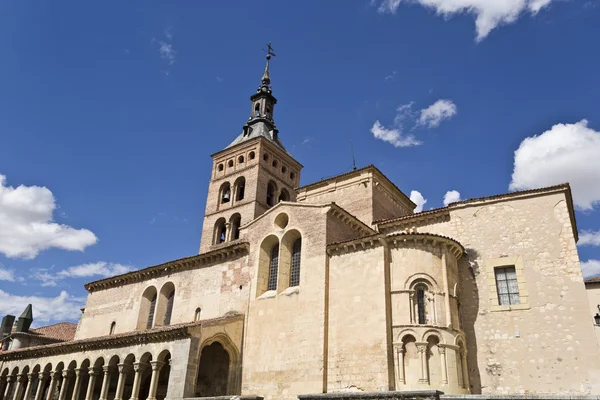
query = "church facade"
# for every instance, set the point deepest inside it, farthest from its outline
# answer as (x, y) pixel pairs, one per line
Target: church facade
(333, 286)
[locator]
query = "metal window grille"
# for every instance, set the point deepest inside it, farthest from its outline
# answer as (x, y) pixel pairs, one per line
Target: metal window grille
(421, 305)
(169, 311)
(295, 267)
(507, 286)
(273, 266)
(151, 312)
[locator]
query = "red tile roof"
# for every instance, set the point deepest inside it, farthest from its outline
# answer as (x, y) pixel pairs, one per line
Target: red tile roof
(595, 279)
(63, 331)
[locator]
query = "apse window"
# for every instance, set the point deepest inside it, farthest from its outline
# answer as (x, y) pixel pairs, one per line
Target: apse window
(507, 286)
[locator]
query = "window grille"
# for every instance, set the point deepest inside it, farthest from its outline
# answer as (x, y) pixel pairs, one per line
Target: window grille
(151, 312)
(169, 311)
(295, 267)
(507, 286)
(421, 305)
(273, 266)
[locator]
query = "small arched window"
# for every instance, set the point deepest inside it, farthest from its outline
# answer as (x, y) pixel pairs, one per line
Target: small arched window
(273, 267)
(284, 195)
(151, 312)
(275, 163)
(220, 167)
(270, 193)
(112, 328)
(240, 159)
(292, 176)
(230, 164)
(225, 193)
(220, 231)
(169, 310)
(251, 155)
(234, 223)
(266, 157)
(284, 169)
(295, 265)
(240, 186)
(197, 314)
(420, 291)
(256, 110)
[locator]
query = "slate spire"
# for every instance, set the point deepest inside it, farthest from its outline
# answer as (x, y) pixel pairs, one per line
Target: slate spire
(25, 319)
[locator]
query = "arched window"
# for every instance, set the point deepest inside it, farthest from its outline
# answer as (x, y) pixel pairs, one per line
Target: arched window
(251, 155)
(270, 193)
(239, 187)
(295, 266)
(240, 159)
(151, 312)
(169, 310)
(197, 314)
(220, 231)
(220, 167)
(292, 176)
(269, 115)
(284, 195)
(420, 292)
(273, 267)
(225, 193)
(275, 164)
(266, 157)
(230, 164)
(234, 223)
(256, 110)
(112, 328)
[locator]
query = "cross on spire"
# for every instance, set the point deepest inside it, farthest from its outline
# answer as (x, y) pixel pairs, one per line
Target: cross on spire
(266, 79)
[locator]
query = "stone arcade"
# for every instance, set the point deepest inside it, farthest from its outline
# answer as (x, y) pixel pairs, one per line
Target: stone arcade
(335, 286)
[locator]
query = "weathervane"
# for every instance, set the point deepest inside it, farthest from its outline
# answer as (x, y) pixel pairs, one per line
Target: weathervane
(269, 51)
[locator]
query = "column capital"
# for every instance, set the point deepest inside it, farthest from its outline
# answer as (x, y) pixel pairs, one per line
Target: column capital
(123, 368)
(22, 377)
(11, 378)
(421, 346)
(93, 371)
(442, 350)
(30, 376)
(139, 366)
(106, 369)
(156, 365)
(55, 374)
(67, 373)
(42, 376)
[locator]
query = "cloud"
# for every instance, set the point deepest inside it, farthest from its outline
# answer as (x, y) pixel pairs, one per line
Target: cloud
(167, 52)
(565, 153)
(489, 14)
(589, 238)
(393, 136)
(26, 225)
(392, 76)
(45, 309)
(101, 269)
(433, 115)
(418, 199)
(6, 275)
(451, 196)
(590, 268)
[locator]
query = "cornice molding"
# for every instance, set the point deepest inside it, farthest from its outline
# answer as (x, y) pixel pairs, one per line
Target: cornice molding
(198, 261)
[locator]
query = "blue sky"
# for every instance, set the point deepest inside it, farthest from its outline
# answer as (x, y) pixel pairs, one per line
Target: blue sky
(110, 110)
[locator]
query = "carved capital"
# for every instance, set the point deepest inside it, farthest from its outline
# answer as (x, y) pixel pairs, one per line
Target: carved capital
(106, 369)
(442, 350)
(93, 371)
(22, 378)
(67, 374)
(11, 378)
(30, 376)
(139, 367)
(42, 376)
(156, 365)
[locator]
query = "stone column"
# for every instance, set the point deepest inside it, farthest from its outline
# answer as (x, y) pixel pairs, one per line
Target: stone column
(29, 388)
(135, 391)
(422, 348)
(41, 383)
(442, 351)
(156, 366)
(22, 378)
(9, 384)
(77, 386)
(105, 383)
(93, 373)
(65, 385)
(465, 370)
(446, 287)
(53, 381)
(400, 367)
(121, 381)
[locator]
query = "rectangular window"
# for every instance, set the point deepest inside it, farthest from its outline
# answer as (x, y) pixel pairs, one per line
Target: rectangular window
(507, 286)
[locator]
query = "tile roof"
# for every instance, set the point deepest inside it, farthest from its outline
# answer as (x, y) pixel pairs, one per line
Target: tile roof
(63, 331)
(594, 279)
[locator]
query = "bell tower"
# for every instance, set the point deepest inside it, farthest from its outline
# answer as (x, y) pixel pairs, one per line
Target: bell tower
(251, 175)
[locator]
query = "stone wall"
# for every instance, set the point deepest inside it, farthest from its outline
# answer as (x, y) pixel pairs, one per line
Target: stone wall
(593, 292)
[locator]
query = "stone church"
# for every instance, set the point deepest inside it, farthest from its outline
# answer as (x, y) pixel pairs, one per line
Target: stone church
(335, 286)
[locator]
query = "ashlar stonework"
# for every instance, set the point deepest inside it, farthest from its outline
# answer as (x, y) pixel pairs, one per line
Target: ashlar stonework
(334, 287)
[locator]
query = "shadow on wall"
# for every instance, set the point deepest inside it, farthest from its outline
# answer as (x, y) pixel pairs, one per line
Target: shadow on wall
(468, 271)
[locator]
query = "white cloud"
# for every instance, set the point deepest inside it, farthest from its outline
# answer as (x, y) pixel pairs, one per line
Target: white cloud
(393, 136)
(100, 269)
(451, 196)
(589, 238)
(565, 153)
(590, 268)
(418, 199)
(26, 225)
(489, 14)
(6, 274)
(45, 309)
(433, 115)
(167, 52)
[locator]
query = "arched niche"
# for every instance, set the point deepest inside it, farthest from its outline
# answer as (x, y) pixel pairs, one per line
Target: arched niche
(147, 308)
(290, 259)
(266, 251)
(164, 308)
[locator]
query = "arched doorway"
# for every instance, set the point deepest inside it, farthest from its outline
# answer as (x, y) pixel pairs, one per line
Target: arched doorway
(213, 372)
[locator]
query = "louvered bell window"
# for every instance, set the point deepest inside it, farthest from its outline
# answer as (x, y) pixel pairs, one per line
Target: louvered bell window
(273, 267)
(295, 267)
(151, 312)
(169, 311)
(507, 286)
